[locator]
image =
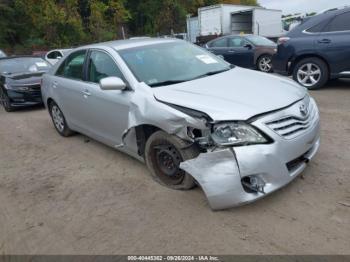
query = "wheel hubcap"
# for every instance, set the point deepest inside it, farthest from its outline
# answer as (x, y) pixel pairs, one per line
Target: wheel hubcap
(309, 74)
(168, 160)
(265, 64)
(57, 118)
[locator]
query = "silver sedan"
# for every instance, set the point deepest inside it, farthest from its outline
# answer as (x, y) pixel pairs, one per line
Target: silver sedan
(191, 117)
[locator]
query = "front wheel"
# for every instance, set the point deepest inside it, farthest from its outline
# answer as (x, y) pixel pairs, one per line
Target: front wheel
(59, 120)
(311, 73)
(163, 155)
(265, 63)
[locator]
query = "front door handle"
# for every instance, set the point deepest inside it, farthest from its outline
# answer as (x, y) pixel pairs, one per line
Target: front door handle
(86, 93)
(325, 41)
(231, 51)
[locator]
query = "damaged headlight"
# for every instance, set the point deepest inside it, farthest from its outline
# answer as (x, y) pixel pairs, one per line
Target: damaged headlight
(236, 134)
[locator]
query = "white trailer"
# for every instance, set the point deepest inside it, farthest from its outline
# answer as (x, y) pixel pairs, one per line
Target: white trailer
(192, 28)
(226, 19)
(264, 22)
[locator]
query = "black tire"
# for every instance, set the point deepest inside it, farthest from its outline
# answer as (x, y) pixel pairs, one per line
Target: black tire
(5, 101)
(261, 64)
(166, 152)
(62, 128)
(317, 64)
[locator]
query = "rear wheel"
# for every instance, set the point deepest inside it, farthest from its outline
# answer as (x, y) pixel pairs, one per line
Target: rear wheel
(311, 73)
(265, 63)
(5, 101)
(59, 120)
(163, 155)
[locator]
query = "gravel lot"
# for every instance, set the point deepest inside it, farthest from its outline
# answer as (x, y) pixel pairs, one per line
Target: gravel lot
(76, 196)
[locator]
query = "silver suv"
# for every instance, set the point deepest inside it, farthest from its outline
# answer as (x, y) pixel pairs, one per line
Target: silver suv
(190, 116)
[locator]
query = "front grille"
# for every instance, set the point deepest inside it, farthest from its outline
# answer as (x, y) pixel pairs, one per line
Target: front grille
(27, 87)
(292, 126)
(34, 87)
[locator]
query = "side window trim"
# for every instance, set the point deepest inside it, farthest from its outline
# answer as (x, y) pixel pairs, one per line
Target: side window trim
(64, 63)
(87, 63)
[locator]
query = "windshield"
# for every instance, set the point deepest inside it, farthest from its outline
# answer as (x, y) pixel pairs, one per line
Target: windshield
(259, 40)
(171, 63)
(23, 65)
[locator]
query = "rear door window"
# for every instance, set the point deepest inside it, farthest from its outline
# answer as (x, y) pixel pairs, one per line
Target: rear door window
(73, 66)
(339, 23)
(318, 28)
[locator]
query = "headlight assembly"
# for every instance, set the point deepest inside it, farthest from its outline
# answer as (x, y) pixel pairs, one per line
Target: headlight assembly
(236, 134)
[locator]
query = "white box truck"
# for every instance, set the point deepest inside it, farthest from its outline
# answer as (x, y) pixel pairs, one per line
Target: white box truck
(227, 19)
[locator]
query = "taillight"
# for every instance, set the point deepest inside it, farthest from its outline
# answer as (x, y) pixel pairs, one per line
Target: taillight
(283, 40)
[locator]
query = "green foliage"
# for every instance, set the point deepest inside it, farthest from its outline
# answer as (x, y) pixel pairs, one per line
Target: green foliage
(35, 24)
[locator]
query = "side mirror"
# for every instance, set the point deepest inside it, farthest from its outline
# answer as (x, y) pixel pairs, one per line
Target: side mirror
(249, 46)
(112, 83)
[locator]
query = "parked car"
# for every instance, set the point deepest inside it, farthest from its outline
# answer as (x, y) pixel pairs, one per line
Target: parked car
(54, 56)
(249, 51)
(2, 54)
(20, 79)
(317, 50)
(189, 115)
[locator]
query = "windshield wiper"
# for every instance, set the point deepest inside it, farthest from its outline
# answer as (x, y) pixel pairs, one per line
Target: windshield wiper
(212, 73)
(166, 83)
(173, 82)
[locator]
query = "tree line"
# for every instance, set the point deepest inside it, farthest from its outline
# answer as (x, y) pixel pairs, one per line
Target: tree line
(42, 24)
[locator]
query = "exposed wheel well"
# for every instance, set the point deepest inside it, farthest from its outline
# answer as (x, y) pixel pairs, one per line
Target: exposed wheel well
(49, 101)
(143, 132)
(299, 58)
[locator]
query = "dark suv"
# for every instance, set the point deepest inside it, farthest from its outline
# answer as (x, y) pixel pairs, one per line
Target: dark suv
(317, 50)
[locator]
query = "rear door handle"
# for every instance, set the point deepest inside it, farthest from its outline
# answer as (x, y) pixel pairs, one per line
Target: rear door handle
(86, 93)
(325, 41)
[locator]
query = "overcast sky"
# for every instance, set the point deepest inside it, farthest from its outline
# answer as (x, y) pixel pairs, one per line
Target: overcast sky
(302, 6)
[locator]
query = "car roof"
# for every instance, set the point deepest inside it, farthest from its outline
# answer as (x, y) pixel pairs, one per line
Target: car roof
(131, 43)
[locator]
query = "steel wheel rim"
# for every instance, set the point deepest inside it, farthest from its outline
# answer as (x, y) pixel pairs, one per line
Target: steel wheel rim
(167, 160)
(265, 64)
(309, 74)
(57, 118)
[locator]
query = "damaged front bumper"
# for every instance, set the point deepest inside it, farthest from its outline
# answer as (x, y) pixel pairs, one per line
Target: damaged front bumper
(224, 175)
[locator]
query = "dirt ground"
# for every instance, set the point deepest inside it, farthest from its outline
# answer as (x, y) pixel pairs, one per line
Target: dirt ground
(75, 196)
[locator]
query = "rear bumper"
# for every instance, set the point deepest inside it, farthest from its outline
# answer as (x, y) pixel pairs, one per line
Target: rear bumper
(221, 173)
(24, 98)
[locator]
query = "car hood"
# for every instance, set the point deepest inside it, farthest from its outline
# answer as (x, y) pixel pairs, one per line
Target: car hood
(237, 94)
